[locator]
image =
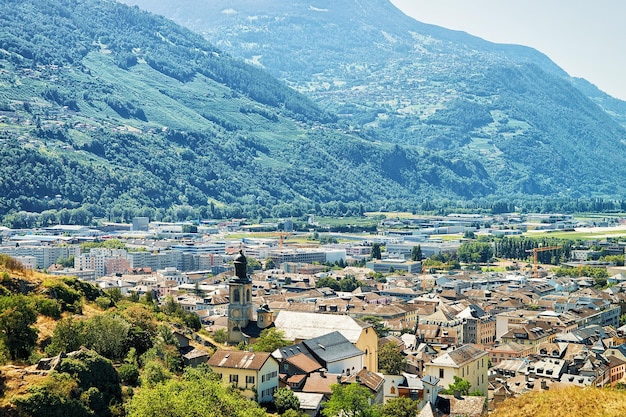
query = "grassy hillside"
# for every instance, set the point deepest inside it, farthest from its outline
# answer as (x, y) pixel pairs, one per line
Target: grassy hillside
(115, 340)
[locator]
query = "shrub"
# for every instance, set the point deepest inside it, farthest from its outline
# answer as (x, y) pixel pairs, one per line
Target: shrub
(48, 307)
(220, 335)
(129, 374)
(68, 297)
(104, 302)
(154, 373)
(16, 317)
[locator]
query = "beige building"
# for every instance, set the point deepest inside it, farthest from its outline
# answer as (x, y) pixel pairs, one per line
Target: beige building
(531, 334)
(506, 351)
(467, 362)
(299, 326)
(254, 373)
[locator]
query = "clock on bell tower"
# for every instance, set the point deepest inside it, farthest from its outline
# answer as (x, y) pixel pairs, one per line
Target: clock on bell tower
(240, 300)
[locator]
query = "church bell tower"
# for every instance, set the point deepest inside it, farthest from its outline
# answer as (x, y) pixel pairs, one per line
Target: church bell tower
(240, 302)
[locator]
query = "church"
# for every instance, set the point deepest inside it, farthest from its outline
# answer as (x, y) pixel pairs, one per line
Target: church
(296, 326)
(241, 324)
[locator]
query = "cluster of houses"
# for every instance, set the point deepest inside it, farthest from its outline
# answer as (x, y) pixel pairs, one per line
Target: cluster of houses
(505, 341)
(506, 333)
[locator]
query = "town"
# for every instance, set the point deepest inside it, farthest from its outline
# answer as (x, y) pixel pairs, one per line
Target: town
(464, 338)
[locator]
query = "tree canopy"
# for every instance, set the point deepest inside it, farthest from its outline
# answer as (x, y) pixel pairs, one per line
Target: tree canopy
(285, 399)
(391, 360)
(269, 340)
(199, 392)
(351, 400)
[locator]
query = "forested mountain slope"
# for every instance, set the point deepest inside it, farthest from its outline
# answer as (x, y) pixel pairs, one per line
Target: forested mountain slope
(109, 111)
(508, 108)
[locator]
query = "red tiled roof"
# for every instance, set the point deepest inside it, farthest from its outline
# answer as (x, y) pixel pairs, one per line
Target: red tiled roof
(303, 362)
(316, 383)
(238, 359)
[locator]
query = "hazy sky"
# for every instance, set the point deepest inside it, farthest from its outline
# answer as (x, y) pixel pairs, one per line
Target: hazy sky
(587, 38)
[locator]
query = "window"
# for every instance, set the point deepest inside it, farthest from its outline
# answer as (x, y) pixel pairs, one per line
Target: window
(233, 379)
(269, 376)
(250, 379)
(440, 373)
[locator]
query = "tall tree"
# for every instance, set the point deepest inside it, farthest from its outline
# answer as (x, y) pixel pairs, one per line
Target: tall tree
(379, 327)
(399, 407)
(350, 401)
(270, 340)
(391, 360)
(416, 253)
(376, 253)
(16, 317)
(66, 337)
(285, 399)
(462, 386)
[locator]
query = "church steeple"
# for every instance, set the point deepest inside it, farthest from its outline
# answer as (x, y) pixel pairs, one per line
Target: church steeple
(241, 268)
(240, 302)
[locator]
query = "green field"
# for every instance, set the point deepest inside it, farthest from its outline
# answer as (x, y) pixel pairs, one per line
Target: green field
(579, 235)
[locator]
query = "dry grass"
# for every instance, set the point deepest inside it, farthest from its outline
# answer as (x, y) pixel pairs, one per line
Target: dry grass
(18, 380)
(19, 377)
(570, 402)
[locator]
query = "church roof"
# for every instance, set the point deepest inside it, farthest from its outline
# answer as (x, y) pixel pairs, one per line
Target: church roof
(332, 347)
(298, 325)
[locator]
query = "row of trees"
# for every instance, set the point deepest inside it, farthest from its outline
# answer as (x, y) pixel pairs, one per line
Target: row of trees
(475, 252)
(522, 248)
(347, 283)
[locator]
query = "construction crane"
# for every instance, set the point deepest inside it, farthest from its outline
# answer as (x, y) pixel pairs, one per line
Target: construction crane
(282, 236)
(535, 251)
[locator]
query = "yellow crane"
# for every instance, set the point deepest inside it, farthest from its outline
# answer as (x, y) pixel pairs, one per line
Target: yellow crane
(281, 236)
(535, 251)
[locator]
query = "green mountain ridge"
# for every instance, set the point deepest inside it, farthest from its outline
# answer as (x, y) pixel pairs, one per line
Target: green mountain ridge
(109, 111)
(508, 108)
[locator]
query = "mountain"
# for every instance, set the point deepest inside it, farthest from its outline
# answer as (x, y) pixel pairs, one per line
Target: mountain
(109, 111)
(507, 108)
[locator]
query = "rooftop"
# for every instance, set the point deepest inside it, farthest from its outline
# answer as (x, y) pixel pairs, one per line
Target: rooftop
(238, 359)
(460, 356)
